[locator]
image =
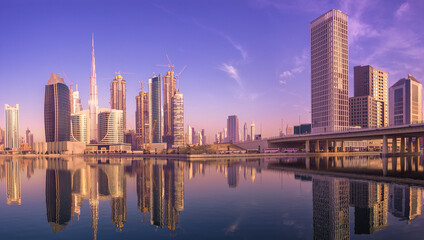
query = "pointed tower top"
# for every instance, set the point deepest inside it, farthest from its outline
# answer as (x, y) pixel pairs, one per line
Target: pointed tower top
(92, 40)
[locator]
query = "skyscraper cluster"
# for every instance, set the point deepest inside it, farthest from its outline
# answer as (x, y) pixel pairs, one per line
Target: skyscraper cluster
(234, 134)
(372, 105)
(65, 119)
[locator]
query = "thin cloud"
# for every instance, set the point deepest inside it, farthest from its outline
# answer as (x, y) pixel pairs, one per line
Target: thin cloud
(402, 9)
(300, 64)
(232, 73)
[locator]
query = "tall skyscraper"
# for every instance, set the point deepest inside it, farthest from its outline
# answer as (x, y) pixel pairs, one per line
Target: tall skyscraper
(76, 101)
(189, 135)
(406, 102)
(370, 81)
(57, 110)
(203, 137)
(118, 96)
(27, 132)
(169, 91)
(111, 126)
(155, 110)
(11, 114)
(93, 102)
(233, 129)
(2, 136)
(330, 72)
(178, 120)
(30, 139)
(252, 131)
(142, 118)
(245, 132)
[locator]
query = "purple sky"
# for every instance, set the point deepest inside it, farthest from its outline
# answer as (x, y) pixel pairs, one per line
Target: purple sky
(248, 57)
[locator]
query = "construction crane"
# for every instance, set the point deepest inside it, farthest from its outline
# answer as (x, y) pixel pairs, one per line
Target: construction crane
(178, 76)
(67, 80)
(141, 83)
(170, 65)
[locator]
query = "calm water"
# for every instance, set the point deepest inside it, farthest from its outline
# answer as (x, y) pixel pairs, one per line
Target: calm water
(54, 198)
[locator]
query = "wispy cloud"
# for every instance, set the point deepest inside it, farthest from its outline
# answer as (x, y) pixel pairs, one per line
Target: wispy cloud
(300, 63)
(402, 9)
(357, 27)
(303, 5)
(232, 73)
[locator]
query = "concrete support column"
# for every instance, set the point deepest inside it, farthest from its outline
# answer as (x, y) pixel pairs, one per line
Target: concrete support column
(307, 149)
(385, 145)
(417, 144)
(335, 146)
(308, 163)
(394, 145)
(402, 145)
(326, 146)
(410, 144)
(343, 147)
(317, 146)
(394, 164)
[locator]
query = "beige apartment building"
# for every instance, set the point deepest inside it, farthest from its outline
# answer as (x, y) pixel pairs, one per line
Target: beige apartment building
(329, 72)
(369, 81)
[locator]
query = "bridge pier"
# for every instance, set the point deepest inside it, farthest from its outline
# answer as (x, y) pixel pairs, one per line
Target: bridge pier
(385, 145)
(402, 145)
(307, 148)
(326, 146)
(410, 145)
(417, 144)
(317, 146)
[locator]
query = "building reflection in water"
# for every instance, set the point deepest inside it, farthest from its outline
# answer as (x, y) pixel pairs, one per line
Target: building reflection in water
(160, 191)
(371, 201)
(58, 195)
(13, 177)
(405, 202)
(330, 208)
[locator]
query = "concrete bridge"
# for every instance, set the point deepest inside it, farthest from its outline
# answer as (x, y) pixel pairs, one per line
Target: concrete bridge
(405, 138)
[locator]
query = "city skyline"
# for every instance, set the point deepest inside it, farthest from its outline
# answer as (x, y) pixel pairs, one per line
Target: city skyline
(283, 67)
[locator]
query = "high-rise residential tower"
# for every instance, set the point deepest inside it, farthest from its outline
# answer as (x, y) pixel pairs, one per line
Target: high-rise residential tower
(111, 126)
(118, 96)
(252, 131)
(233, 129)
(329, 72)
(169, 91)
(79, 125)
(93, 102)
(57, 110)
(245, 132)
(406, 102)
(142, 118)
(76, 101)
(189, 135)
(155, 110)
(178, 120)
(11, 114)
(372, 82)
(203, 137)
